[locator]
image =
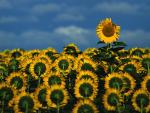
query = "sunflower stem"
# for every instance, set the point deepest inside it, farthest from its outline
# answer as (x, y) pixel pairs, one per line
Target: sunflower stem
(58, 108)
(27, 107)
(141, 103)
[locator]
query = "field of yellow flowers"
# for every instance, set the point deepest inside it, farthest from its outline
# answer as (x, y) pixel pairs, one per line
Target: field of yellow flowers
(108, 79)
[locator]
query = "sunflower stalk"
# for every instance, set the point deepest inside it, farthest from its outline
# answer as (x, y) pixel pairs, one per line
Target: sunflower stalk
(39, 73)
(58, 107)
(142, 107)
(27, 107)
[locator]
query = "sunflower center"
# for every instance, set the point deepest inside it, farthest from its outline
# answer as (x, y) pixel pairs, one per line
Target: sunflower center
(86, 90)
(50, 54)
(26, 104)
(85, 109)
(108, 30)
(116, 83)
(16, 54)
(54, 80)
(142, 99)
(113, 99)
(137, 52)
(17, 82)
(57, 96)
(63, 64)
(39, 68)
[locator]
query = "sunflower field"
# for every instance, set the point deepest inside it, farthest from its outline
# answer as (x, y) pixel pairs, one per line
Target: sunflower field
(108, 79)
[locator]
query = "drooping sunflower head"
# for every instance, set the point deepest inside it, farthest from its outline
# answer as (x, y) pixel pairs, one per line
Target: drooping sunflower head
(17, 80)
(107, 31)
(136, 51)
(128, 84)
(86, 88)
(54, 78)
(16, 53)
(14, 65)
(112, 99)
(145, 84)
(51, 53)
(6, 93)
(56, 96)
(87, 75)
(141, 101)
(39, 68)
(64, 63)
(132, 67)
(85, 106)
(25, 102)
(40, 94)
(71, 49)
(114, 81)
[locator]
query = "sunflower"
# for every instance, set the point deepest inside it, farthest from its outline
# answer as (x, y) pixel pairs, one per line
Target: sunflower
(44, 57)
(40, 94)
(112, 100)
(132, 67)
(71, 49)
(85, 106)
(79, 59)
(90, 51)
(107, 31)
(136, 52)
(25, 102)
(54, 78)
(114, 81)
(6, 92)
(39, 68)
(34, 52)
(51, 53)
(56, 96)
(64, 63)
(14, 64)
(87, 75)
(16, 53)
(17, 80)
(129, 84)
(141, 100)
(87, 64)
(145, 84)
(86, 88)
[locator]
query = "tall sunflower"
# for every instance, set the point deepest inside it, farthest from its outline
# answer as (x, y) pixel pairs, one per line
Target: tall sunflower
(86, 89)
(141, 101)
(85, 106)
(107, 31)
(112, 100)
(56, 96)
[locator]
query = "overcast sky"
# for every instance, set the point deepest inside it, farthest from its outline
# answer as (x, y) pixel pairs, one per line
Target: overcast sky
(38, 24)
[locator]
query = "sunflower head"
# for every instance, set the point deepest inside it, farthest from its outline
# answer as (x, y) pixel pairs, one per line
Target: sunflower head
(114, 81)
(137, 51)
(146, 62)
(85, 106)
(112, 99)
(146, 83)
(141, 100)
(3, 72)
(86, 88)
(56, 96)
(107, 31)
(16, 53)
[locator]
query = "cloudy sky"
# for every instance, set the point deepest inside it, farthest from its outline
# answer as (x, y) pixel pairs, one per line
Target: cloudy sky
(38, 24)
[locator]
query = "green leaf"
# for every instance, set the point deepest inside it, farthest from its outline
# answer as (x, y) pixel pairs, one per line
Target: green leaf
(115, 49)
(119, 44)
